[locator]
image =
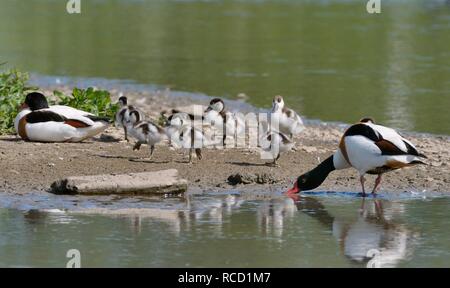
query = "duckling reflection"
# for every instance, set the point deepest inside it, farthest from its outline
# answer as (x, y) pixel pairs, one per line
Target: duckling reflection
(271, 215)
(56, 216)
(174, 219)
(372, 239)
(213, 210)
(182, 218)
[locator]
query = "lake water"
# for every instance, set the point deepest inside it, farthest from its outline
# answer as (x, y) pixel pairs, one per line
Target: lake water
(330, 59)
(228, 230)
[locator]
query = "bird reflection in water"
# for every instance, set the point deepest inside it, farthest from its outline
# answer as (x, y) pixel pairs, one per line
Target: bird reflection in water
(272, 214)
(375, 238)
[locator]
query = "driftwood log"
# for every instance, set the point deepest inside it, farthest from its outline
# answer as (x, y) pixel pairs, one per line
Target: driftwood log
(146, 183)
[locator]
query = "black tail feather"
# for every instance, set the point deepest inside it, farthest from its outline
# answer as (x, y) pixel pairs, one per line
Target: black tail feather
(422, 156)
(417, 162)
(98, 118)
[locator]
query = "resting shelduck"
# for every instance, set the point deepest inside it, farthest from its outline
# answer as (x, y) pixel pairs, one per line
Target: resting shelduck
(37, 121)
(289, 122)
(231, 124)
(367, 147)
(123, 113)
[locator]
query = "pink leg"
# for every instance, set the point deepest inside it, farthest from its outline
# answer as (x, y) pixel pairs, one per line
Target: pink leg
(377, 183)
(379, 209)
(362, 180)
(363, 205)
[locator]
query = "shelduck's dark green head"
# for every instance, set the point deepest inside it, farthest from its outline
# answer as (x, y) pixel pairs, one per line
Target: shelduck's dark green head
(35, 101)
(312, 179)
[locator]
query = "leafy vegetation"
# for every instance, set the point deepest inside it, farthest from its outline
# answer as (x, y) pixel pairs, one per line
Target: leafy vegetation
(13, 89)
(97, 102)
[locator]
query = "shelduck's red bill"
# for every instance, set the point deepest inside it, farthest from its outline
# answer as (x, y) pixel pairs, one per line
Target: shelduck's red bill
(294, 197)
(293, 190)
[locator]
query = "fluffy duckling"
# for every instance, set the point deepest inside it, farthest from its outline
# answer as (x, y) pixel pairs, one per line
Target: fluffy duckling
(182, 134)
(123, 114)
(274, 143)
(367, 147)
(37, 121)
(290, 123)
(231, 123)
(145, 132)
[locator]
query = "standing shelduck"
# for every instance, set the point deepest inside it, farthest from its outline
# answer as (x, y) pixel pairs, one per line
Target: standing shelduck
(288, 121)
(37, 121)
(123, 114)
(367, 147)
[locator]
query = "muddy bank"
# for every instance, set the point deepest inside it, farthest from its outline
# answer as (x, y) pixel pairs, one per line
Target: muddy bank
(30, 166)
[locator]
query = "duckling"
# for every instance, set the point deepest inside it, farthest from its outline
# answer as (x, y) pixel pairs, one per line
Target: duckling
(37, 121)
(219, 117)
(123, 113)
(173, 128)
(182, 134)
(290, 123)
(274, 143)
(146, 132)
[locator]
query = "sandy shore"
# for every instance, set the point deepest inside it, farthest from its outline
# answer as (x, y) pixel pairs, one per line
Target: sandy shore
(30, 166)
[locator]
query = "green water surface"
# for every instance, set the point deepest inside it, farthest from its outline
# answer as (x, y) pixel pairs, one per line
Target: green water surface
(330, 59)
(233, 231)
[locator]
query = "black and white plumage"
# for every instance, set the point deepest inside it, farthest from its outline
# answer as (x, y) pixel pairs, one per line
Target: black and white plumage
(274, 143)
(370, 149)
(37, 121)
(183, 134)
(144, 131)
(229, 123)
(287, 120)
(123, 114)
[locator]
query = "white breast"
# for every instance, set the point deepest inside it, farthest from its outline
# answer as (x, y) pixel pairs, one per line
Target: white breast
(214, 118)
(287, 125)
(19, 116)
(119, 121)
(186, 139)
(339, 161)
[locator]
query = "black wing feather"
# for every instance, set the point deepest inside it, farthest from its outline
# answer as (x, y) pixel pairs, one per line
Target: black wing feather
(98, 118)
(386, 147)
(413, 151)
(363, 130)
(44, 116)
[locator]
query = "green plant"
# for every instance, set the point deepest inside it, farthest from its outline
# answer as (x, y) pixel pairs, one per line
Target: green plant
(13, 88)
(97, 102)
(162, 120)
